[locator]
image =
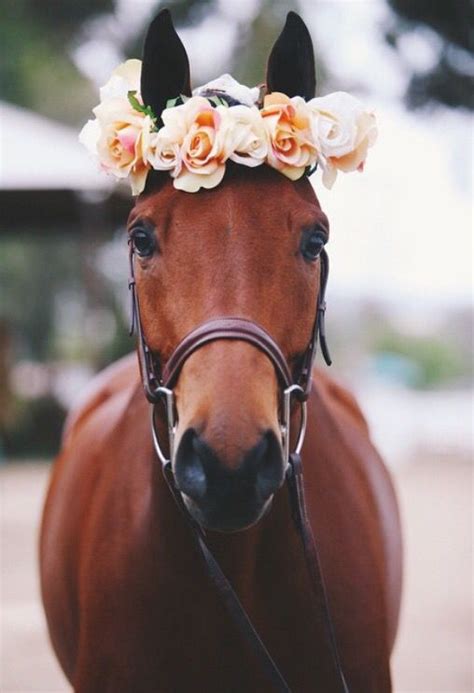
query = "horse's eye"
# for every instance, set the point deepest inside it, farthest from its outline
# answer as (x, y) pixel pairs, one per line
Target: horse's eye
(312, 243)
(143, 241)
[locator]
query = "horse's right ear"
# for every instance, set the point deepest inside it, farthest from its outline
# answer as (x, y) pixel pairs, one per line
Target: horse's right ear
(165, 67)
(290, 67)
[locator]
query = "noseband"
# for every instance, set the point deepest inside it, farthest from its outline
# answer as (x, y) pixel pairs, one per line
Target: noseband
(158, 382)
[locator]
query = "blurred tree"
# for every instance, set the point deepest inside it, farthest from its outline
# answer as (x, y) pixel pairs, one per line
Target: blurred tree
(438, 360)
(184, 12)
(450, 80)
(256, 40)
(35, 66)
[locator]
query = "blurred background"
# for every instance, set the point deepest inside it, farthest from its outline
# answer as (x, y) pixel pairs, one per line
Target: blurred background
(400, 291)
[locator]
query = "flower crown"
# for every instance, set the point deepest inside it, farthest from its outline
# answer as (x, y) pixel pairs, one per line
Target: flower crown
(196, 135)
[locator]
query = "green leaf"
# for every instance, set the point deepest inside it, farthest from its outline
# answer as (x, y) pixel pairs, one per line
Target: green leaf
(217, 101)
(137, 106)
(177, 101)
(171, 103)
(134, 102)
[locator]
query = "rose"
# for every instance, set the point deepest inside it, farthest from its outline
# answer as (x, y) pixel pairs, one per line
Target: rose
(288, 124)
(198, 129)
(245, 136)
(202, 152)
(119, 138)
(164, 153)
(125, 78)
(229, 86)
(344, 130)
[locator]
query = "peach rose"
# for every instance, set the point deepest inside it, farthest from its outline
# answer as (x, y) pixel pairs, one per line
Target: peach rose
(344, 130)
(288, 124)
(199, 130)
(119, 138)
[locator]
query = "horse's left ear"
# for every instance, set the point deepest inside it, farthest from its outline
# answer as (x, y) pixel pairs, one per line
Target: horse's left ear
(165, 67)
(290, 67)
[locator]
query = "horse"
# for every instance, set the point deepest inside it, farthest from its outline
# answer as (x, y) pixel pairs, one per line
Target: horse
(129, 605)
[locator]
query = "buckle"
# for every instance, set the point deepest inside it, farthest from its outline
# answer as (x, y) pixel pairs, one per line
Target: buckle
(172, 422)
(299, 393)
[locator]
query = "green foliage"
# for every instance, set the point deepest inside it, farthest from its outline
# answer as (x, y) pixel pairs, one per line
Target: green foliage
(137, 106)
(30, 275)
(56, 17)
(36, 428)
(438, 361)
(450, 80)
(35, 36)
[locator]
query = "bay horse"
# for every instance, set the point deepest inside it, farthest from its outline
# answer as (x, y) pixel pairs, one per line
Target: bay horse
(129, 606)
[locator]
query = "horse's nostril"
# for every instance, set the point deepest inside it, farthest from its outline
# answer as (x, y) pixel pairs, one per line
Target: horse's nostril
(205, 479)
(190, 473)
(266, 458)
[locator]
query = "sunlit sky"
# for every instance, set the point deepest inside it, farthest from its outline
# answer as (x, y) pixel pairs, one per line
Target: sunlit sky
(403, 228)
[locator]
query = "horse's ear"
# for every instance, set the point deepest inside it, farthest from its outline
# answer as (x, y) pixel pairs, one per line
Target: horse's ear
(165, 67)
(290, 67)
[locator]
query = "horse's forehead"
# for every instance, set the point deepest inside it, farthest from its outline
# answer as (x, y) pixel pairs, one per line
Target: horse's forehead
(240, 202)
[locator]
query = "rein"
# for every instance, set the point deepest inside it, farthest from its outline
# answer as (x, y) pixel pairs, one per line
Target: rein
(158, 382)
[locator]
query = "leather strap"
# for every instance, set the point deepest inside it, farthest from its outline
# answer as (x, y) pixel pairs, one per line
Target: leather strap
(313, 564)
(154, 375)
(230, 599)
(227, 594)
(226, 328)
(304, 377)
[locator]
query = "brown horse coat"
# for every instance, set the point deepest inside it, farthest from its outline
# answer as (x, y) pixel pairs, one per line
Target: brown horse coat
(129, 606)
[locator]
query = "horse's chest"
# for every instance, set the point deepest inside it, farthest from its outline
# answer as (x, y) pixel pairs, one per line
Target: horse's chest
(157, 625)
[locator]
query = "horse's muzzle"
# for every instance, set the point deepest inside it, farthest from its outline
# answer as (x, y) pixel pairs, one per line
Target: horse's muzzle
(223, 498)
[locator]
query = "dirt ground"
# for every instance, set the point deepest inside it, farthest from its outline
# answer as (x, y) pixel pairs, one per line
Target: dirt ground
(433, 651)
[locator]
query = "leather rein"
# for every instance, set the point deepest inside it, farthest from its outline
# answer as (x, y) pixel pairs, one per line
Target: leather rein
(158, 381)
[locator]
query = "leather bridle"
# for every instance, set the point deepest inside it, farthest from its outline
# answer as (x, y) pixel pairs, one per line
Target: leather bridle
(158, 382)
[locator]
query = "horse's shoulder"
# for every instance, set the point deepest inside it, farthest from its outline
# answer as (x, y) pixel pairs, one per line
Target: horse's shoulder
(339, 400)
(113, 383)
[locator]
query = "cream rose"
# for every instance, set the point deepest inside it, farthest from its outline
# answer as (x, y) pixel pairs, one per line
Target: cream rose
(125, 78)
(119, 138)
(288, 124)
(344, 130)
(164, 152)
(245, 135)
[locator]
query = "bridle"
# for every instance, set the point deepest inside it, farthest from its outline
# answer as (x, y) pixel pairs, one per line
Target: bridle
(158, 382)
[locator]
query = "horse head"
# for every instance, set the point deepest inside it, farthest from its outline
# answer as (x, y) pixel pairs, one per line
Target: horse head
(249, 248)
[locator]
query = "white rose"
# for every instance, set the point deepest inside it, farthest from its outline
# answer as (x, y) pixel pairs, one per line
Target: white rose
(344, 131)
(125, 78)
(89, 136)
(228, 85)
(164, 152)
(245, 136)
